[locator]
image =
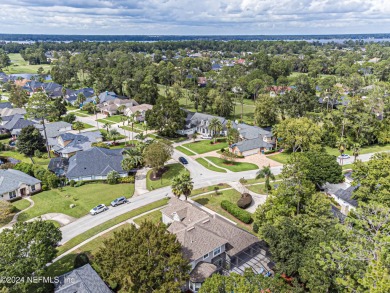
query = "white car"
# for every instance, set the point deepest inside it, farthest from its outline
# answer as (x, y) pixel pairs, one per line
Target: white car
(206, 136)
(98, 209)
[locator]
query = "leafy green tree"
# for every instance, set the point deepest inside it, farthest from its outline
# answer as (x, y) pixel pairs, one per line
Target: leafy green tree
(182, 184)
(4, 59)
(29, 140)
(6, 210)
(26, 249)
(18, 96)
(59, 105)
(373, 178)
(70, 118)
(78, 126)
(247, 283)
(40, 106)
(147, 259)
(233, 136)
(266, 112)
(80, 98)
(166, 116)
(157, 154)
(299, 134)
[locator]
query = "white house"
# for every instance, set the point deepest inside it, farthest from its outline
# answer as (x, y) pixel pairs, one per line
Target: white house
(14, 183)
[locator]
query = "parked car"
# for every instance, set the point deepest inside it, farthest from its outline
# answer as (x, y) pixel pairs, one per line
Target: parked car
(183, 160)
(98, 209)
(119, 201)
(206, 136)
(344, 156)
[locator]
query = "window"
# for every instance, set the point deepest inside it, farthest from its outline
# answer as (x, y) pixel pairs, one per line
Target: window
(206, 255)
(217, 251)
(32, 188)
(12, 194)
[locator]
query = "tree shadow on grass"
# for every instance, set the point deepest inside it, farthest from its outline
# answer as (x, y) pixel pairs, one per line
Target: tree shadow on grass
(202, 201)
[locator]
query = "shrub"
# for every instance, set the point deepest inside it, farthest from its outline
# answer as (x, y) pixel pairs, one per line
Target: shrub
(269, 152)
(235, 211)
(113, 177)
(255, 227)
(7, 166)
(5, 135)
(80, 260)
(128, 179)
(38, 154)
(243, 180)
(222, 150)
(45, 156)
(70, 118)
(79, 183)
(72, 182)
(44, 187)
(245, 201)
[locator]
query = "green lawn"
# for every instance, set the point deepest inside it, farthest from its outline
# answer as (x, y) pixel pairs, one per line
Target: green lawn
(259, 188)
(209, 188)
(87, 126)
(154, 217)
(173, 170)
(185, 151)
(213, 202)
(110, 223)
(207, 165)
(84, 197)
(79, 113)
(235, 166)
(19, 65)
(115, 118)
(104, 121)
(205, 146)
(284, 156)
(104, 132)
(13, 154)
(21, 204)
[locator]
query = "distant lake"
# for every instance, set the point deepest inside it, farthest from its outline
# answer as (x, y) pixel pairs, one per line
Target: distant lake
(28, 76)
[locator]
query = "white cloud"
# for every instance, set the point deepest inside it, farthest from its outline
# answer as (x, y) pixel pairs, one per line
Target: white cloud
(194, 17)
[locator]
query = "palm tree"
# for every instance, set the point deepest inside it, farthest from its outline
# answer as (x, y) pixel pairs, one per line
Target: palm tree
(229, 124)
(356, 150)
(107, 126)
(342, 145)
(78, 126)
(130, 121)
(121, 108)
(215, 125)
(113, 135)
(267, 174)
(81, 98)
(132, 159)
(182, 185)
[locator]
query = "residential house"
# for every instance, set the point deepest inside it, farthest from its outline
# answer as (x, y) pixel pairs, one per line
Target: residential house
(81, 280)
(342, 193)
(14, 124)
(250, 147)
(4, 112)
(68, 144)
(54, 129)
(6, 105)
(202, 81)
(95, 164)
(278, 90)
(140, 110)
(58, 166)
(112, 107)
(71, 96)
(213, 244)
(14, 183)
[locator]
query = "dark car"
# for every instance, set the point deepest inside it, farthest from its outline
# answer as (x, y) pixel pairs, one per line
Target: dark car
(183, 160)
(118, 201)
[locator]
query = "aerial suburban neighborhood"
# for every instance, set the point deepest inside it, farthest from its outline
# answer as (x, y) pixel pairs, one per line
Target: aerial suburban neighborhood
(211, 164)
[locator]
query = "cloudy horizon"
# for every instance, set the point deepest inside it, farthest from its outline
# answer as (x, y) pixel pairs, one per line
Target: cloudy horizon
(184, 17)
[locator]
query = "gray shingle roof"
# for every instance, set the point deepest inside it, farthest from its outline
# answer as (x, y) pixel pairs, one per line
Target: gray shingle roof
(81, 280)
(250, 132)
(11, 179)
(54, 129)
(6, 105)
(95, 162)
(79, 142)
(251, 144)
(346, 195)
(17, 122)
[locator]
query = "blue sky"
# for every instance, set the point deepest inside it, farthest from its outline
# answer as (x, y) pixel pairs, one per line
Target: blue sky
(191, 17)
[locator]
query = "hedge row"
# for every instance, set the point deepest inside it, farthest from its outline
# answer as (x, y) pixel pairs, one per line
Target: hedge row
(234, 210)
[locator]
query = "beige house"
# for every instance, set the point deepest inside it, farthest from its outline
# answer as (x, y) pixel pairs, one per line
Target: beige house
(14, 184)
(139, 110)
(112, 107)
(213, 244)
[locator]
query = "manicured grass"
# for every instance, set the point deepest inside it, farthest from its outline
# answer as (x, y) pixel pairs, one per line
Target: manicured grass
(284, 156)
(154, 217)
(86, 125)
(207, 165)
(213, 202)
(173, 170)
(260, 180)
(104, 132)
(204, 146)
(209, 188)
(104, 121)
(79, 113)
(56, 224)
(66, 263)
(21, 205)
(110, 223)
(19, 65)
(259, 188)
(84, 197)
(134, 129)
(185, 151)
(115, 118)
(235, 167)
(13, 154)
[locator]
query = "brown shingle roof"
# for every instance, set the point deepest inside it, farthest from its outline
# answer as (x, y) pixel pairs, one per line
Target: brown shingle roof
(202, 271)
